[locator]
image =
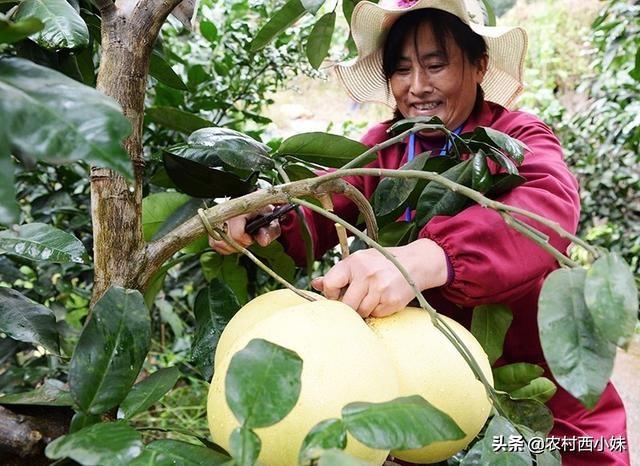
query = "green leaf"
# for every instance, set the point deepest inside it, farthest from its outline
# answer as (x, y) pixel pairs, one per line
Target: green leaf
(513, 376)
(157, 208)
(298, 172)
(396, 234)
(611, 296)
(51, 393)
(540, 389)
(146, 392)
(312, 6)
(481, 178)
(160, 69)
(431, 122)
(81, 420)
(277, 259)
(245, 446)
(106, 444)
(500, 428)
(327, 434)
(335, 457)
(175, 452)
(489, 325)
(635, 72)
(209, 31)
(233, 148)
(290, 12)
(110, 351)
(64, 28)
(9, 211)
(176, 119)
(399, 424)
(320, 39)
(503, 183)
(55, 118)
(211, 264)
(28, 321)
(438, 200)
(325, 149)
(235, 276)
(489, 138)
(491, 20)
(347, 9)
(530, 413)
(41, 242)
(199, 180)
(579, 359)
(11, 32)
(214, 307)
(393, 194)
(263, 383)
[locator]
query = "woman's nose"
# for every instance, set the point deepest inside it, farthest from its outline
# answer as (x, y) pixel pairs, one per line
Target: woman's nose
(420, 82)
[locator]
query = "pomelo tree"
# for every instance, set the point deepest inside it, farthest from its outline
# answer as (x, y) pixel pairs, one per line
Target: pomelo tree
(48, 116)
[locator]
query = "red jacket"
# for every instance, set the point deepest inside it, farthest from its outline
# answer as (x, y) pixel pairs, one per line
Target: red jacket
(491, 262)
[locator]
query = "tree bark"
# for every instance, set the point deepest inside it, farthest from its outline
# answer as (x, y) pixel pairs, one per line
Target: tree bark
(129, 30)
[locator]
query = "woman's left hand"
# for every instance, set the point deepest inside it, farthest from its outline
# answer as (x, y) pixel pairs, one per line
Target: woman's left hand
(373, 286)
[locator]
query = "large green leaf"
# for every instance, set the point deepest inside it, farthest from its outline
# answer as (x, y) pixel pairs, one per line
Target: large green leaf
(503, 183)
(320, 39)
(199, 180)
(41, 242)
(429, 122)
(392, 195)
(175, 452)
(54, 118)
(233, 148)
(263, 383)
(579, 358)
(110, 351)
(396, 234)
(157, 208)
(105, 444)
(28, 321)
(325, 149)
(52, 392)
(530, 413)
(245, 446)
(399, 424)
(160, 69)
(176, 119)
(11, 32)
(9, 210)
(540, 389)
(290, 12)
(489, 325)
(481, 178)
(488, 138)
(328, 434)
(235, 276)
(611, 295)
(214, 307)
(146, 392)
(64, 28)
(438, 200)
(493, 448)
(277, 259)
(513, 376)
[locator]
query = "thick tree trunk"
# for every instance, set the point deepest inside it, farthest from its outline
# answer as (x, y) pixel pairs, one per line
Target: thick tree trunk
(129, 29)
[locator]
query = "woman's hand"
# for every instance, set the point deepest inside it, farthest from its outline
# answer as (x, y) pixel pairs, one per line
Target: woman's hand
(373, 286)
(235, 229)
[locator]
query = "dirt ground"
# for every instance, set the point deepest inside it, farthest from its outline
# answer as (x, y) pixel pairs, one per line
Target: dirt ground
(626, 377)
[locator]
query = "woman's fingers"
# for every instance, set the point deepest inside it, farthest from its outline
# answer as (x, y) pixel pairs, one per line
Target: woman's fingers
(267, 234)
(337, 278)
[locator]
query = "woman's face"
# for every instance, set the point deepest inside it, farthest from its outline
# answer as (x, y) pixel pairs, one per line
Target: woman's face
(429, 82)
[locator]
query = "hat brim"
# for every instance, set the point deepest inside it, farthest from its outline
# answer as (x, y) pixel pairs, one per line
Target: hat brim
(364, 79)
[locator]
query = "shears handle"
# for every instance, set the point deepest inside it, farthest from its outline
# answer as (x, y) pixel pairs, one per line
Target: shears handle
(260, 221)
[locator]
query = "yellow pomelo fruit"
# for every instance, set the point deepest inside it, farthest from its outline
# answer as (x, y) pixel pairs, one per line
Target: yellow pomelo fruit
(343, 362)
(253, 312)
(429, 365)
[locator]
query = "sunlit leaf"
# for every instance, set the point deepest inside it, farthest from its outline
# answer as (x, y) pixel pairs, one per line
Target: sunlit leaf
(290, 12)
(42, 242)
(489, 325)
(325, 149)
(63, 28)
(320, 39)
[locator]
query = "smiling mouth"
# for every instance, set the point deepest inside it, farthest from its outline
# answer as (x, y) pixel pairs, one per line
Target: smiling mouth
(426, 107)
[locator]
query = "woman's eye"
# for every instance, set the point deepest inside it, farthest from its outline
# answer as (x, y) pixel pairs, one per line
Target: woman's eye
(402, 70)
(436, 67)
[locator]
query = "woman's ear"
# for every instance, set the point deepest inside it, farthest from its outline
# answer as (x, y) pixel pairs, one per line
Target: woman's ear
(481, 68)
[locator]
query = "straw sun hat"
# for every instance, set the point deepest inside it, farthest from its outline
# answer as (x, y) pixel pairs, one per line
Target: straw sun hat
(364, 79)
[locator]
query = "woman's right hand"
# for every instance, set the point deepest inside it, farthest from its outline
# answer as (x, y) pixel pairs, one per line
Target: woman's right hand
(235, 229)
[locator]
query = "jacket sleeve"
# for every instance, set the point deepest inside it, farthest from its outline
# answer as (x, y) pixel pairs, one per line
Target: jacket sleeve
(323, 232)
(492, 262)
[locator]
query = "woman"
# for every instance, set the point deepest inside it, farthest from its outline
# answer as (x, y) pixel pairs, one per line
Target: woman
(436, 58)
